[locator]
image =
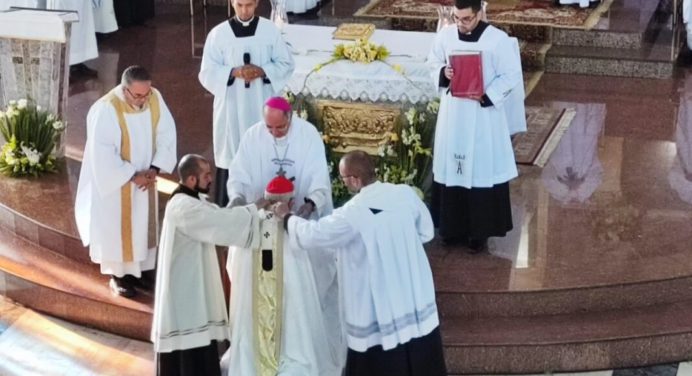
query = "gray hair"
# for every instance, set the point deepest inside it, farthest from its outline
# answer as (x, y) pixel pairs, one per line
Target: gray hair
(134, 73)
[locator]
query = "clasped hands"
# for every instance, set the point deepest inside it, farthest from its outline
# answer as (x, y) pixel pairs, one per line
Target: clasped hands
(248, 72)
(144, 179)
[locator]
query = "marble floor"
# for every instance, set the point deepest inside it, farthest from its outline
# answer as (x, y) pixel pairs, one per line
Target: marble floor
(36, 344)
(628, 221)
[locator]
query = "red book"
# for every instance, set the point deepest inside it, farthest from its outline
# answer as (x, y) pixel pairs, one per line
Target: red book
(468, 74)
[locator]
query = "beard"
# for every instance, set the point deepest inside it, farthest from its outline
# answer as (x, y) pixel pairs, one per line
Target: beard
(200, 189)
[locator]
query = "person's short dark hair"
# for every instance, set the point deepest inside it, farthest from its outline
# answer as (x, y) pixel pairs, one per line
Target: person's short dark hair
(475, 5)
(360, 164)
(134, 73)
(190, 165)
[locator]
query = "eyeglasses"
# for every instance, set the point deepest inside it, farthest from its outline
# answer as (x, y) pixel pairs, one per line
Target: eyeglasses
(465, 20)
(138, 96)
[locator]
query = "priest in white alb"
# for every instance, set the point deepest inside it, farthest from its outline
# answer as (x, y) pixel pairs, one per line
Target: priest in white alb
(130, 139)
(245, 61)
(311, 342)
(473, 157)
(190, 313)
(390, 313)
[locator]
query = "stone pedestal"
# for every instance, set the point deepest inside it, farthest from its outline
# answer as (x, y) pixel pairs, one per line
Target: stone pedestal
(33, 57)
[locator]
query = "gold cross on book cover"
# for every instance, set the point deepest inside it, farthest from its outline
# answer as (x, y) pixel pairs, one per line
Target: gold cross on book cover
(353, 31)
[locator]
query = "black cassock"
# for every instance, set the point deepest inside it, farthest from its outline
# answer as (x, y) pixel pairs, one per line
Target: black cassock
(133, 12)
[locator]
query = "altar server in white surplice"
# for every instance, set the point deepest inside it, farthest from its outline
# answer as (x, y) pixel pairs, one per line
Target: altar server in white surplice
(130, 138)
(311, 343)
(104, 16)
(389, 299)
(83, 34)
(473, 156)
(189, 308)
(245, 61)
(7, 4)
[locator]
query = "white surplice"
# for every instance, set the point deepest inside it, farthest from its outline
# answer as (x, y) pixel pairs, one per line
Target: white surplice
(680, 175)
(385, 277)
(300, 6)
(7, 4)
(83, 35)
(104, 17)
(472, 144)
(236, 107)
(190, 307)
(311, 341)
(104, 172)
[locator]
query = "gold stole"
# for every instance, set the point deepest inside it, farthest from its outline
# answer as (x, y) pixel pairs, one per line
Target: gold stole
(122, 108)
(267, 297)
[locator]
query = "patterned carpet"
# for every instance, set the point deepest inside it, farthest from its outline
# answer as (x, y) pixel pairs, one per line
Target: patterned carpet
(521, 12)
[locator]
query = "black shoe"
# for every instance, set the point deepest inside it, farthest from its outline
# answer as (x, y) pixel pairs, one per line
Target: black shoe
(120, 286)
(146, 282)
(82, 70)
(477, 245)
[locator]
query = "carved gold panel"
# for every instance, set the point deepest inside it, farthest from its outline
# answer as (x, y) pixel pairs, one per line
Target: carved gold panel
(349, 126)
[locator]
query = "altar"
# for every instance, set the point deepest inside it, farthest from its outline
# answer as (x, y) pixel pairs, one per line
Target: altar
(374, 82)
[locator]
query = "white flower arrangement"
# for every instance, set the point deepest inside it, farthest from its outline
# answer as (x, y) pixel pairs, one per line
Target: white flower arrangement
(31, 134)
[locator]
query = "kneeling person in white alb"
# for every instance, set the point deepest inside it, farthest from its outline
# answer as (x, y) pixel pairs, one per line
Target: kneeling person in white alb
(190, 309)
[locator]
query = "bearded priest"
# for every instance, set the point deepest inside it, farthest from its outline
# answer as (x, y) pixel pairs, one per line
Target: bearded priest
(189, 308)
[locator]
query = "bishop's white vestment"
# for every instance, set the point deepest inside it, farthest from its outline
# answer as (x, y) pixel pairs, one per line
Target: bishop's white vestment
(115, 219)
(237, 107)
(190, 307)
(83, 34)
(311, 334)
(472, 143)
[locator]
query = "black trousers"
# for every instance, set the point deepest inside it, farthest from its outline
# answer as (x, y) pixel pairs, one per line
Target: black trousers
(478, 213)
(133, 12)
(191, 362)
(419, 357)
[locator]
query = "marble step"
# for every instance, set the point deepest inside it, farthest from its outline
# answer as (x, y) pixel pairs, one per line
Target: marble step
(485, 304)
(51, 283)
(653, 60)
(574, 342)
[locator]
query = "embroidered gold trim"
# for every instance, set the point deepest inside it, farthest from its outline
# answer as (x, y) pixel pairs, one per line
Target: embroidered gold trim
(267, 306)
(122, 108)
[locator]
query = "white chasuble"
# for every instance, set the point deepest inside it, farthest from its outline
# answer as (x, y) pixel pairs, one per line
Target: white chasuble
(115, 218)
(83, 34)
(310, 341)
(472, 144)
(190, 307)
(237, 107)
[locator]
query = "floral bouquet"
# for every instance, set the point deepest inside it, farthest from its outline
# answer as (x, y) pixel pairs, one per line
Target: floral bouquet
(362, 51)
(31, 134)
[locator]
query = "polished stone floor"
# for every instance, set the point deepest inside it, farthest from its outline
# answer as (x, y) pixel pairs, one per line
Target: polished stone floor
(36, 344)
(610, 208)
(623, 219)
